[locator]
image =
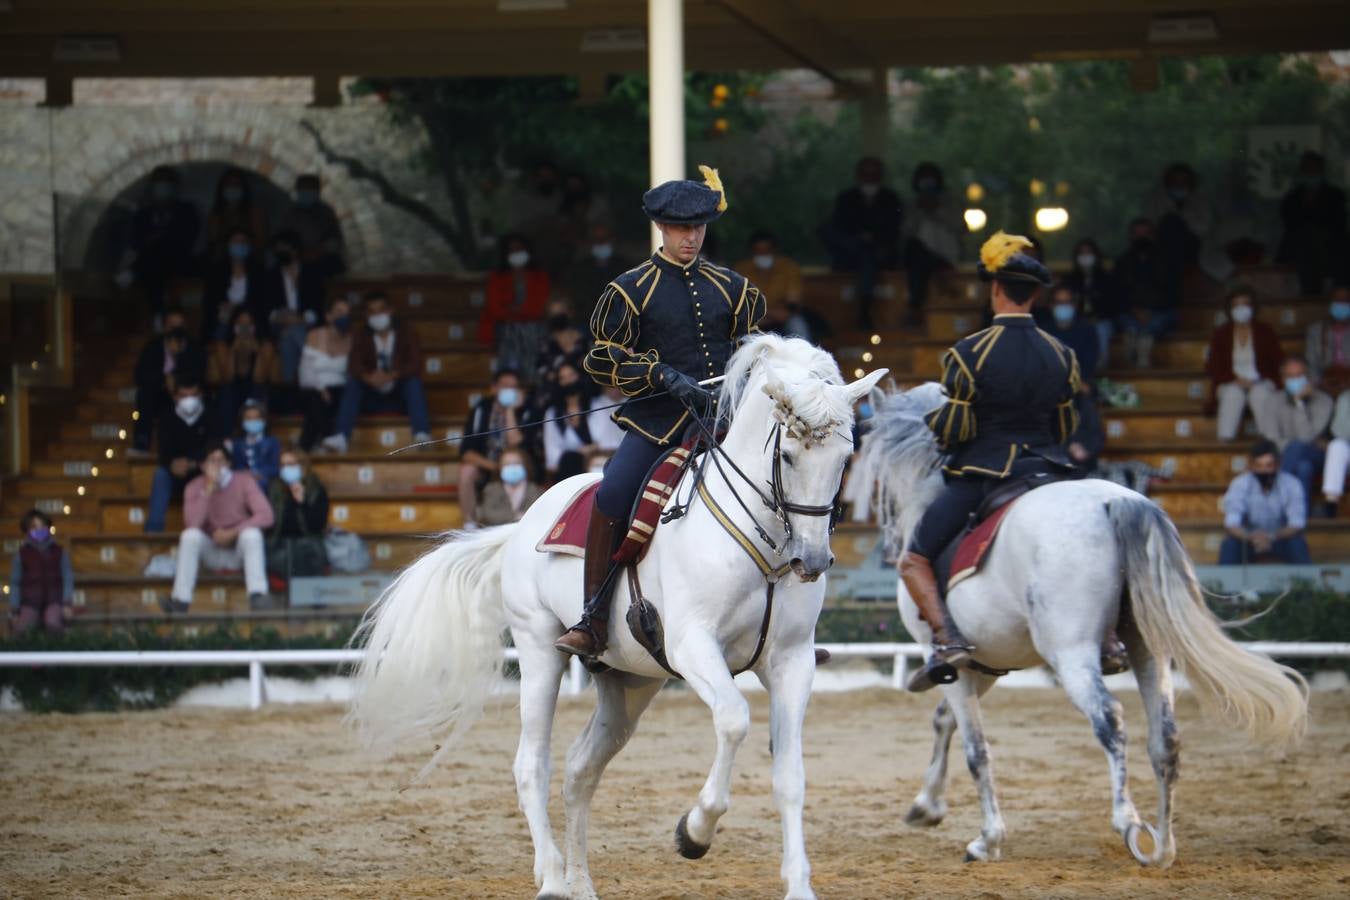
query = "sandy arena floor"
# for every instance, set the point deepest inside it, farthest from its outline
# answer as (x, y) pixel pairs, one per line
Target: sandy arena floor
(191, 803)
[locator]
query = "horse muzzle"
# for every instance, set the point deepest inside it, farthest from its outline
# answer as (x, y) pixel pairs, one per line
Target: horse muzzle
(808, 565)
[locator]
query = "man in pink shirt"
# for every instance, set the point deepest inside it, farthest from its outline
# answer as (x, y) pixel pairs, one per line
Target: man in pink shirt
(225, 513)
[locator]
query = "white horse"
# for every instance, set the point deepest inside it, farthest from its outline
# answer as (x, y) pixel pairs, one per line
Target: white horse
(435, 636)
(1071, 560)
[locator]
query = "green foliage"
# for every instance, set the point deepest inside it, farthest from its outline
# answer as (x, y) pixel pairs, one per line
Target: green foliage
(1307, 613)
(879, 622)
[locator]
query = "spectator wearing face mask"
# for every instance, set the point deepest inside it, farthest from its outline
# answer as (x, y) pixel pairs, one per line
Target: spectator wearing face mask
(565, 342)
(316, 226)
(1315, 234)
(932, 240)
(1243, 364)
(323, 372)
(1089, 281)
(779, 277)
(163, 234)
(233, 283)
(1145, 304)
(245, 367)
(1064, 319)
(1327, 344)
(384, 373)
(1338, 455)
(232, 210)
(1264, 513)
(568, 440)
(585, 278)
(294, 301)
(863, 233)
(164, 360)
(493, 426)
(41, 579)
(507, 496)
(1297, 420)
(254, 450)
(300, 506)
(183, 437)
(1182, 220)
(513, 314)
(224, 516)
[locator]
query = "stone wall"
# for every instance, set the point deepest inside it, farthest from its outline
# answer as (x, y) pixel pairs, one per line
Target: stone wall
(85, 155)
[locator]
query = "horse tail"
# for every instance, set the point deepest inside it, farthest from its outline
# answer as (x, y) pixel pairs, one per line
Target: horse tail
(1268, 700)
(433, 645)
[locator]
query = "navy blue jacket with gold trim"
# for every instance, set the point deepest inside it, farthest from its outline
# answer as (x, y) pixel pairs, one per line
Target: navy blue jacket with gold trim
(1010, 391)
(689, 317)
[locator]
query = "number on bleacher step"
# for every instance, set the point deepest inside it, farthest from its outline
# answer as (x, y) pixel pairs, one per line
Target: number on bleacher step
(126, 395)
(104, 431)
(148, 597)
(77, 468)
(414, 298)
(456, 332)
(476, 299)
(1288, 316)
(340, 513)
(1195, 390)
(366, 475)
(1115, 429)
(1183, 428)
(407, 513)
(383, 551)
(388, 438)
(218, 596)
(433, 365)
(50, 507)
(136, 515)
(107, 554)
(431, 475)
(79, 598)
(1237, 463)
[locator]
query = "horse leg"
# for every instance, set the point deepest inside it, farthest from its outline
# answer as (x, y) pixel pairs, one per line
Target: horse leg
(1164, 748)
(963, 698)
(929, 808)
(541, 669)
(1080, 671)
(699, 658)
(788, 679)
(621, 701)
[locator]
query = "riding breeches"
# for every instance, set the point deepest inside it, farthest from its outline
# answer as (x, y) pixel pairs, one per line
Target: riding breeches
(624, 475)
(944, 521)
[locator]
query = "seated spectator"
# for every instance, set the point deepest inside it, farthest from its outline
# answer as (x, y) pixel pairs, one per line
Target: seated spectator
(1182, 218)
(224, 515)
(566, 343)
(584, 279)
(245, 367)
(41, 579)
(933, 232)
(1264, 513)
(515, 305)
(384, 373)
(317, 228)
(233, 210)
(1327, 345)
(863, 233)
(1065, 321)
(567, 443)
(777, 276)
(300, 507)
(1338, 455)
(507, 496)
(233, 283)
(1297, 420)
(1315, 234)
(1145, 303)
(491, 428)
(255, 451)
(164, 360)
(163, 233)
(183, 437)
(1243, 364)
(1090, 283)
(323, 372)
(293, 300)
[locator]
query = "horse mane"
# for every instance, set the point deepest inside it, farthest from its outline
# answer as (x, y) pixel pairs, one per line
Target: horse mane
(806, 371)
(900, 456)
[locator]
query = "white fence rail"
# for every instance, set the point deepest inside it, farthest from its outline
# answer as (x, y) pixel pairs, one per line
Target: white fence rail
(257, 660)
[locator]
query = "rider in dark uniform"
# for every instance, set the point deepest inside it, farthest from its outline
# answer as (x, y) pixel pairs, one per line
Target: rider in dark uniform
(659, 329)
(1009, 410)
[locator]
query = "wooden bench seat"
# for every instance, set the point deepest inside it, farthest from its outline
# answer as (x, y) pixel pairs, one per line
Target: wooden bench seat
(407, 513)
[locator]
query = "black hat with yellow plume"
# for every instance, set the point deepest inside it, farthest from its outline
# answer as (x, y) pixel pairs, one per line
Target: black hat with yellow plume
(1002, 259)
(686, 202)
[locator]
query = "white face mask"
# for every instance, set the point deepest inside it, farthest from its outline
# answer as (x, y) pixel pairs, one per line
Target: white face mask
(517, 259)
(188, 407)
(379, 321)
(1086, 260)
(869, 190)
(602, 252)
(1242, 314)
(764, 261)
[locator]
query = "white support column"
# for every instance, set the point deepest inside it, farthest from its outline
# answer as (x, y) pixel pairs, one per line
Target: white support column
(665, 70)
(257, 685)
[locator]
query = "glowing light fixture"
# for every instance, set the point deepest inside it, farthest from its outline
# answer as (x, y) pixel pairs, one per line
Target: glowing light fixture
(1036, 186)
(867, 357)
(80, 490)
(108, 453)
(858, 373)
(1051, 218)
(875, 339)
(974, 192)
(976, 219)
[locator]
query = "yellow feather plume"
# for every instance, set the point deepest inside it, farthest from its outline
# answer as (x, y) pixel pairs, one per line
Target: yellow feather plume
(714, 181)
(1000, 248)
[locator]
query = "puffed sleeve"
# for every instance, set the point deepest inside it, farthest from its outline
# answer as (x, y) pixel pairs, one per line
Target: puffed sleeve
(750, 308)
(1066, 419)
(954, 421)
(612, 362)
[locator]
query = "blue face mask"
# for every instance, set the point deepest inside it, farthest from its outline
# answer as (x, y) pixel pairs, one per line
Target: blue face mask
(1064, 313)
(255, 426)
(508, 396)
(513, 473)
(38, 535)
(292, 473)
(342, 323)
(240, 251)
(1295, 385)
(1340, 310)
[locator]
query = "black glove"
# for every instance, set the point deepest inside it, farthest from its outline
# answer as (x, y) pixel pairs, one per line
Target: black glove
(683, 388)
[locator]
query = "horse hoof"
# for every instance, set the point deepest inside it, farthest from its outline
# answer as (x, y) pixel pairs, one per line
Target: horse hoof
(971, 857)
(686, 845)
(1156, 858)
(918, 817)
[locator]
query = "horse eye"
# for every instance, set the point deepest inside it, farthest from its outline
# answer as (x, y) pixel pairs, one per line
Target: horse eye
(787, 458)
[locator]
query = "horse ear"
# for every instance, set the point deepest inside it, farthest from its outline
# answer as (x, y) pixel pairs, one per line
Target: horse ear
(773, 384)
(863, 386)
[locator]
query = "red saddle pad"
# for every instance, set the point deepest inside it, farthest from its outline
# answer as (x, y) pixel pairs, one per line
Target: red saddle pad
(975, 546)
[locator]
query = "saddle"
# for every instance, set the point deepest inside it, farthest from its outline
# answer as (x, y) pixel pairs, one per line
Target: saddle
(964, 556)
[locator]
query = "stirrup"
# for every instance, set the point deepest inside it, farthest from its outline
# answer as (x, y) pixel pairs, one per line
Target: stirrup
(941, 667)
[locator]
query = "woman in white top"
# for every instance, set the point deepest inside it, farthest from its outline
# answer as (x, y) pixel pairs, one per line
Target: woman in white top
(567, 443)
(1243, 363)
(323, 371)
(1338, 454)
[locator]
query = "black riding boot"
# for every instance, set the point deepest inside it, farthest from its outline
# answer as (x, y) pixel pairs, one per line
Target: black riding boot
(590, 636)
(951, 650)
